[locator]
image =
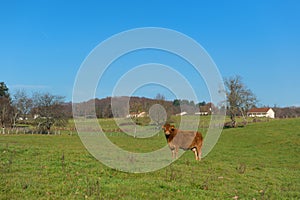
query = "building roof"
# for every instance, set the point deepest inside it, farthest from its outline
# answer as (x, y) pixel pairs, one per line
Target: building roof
(256, 110)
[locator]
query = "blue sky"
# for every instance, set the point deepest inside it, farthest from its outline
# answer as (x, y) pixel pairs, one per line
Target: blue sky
(43, 43)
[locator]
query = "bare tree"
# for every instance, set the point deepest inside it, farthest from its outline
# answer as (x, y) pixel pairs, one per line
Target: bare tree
(6, 111)
(239, 98)
(48, 111)
(163, 111)
(160, 97)
(158, 114)
(22, 105)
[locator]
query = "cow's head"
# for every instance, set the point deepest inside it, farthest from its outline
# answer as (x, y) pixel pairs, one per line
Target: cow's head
(168, 129)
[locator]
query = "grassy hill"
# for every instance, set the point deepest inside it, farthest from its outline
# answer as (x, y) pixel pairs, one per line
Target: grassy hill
(259, 161)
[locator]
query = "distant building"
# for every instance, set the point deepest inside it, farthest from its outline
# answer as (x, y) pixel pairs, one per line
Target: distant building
(206, 109)
(181, 114)
(135, 115)
(142, 114)
(261, 112)
(201, 113)
(35, 116)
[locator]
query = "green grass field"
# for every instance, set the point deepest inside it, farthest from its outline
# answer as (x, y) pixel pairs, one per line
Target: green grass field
(259, 161)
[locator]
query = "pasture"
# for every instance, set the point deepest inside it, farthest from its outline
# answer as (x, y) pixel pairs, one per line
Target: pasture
(259, 161)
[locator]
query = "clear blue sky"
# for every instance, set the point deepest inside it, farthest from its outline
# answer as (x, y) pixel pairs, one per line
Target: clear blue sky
(43, 43)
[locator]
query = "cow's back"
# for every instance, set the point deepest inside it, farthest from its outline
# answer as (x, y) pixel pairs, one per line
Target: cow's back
(184, 139)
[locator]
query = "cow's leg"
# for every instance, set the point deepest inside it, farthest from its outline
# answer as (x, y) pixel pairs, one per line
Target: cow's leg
(195, 152)
(176, 152)
(199, 153)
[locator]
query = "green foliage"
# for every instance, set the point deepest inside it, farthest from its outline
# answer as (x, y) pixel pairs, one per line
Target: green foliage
(259, 161)
(6, 109)
(4, 90)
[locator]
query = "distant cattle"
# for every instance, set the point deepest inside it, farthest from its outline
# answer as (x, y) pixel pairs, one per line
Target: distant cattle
(183, 139)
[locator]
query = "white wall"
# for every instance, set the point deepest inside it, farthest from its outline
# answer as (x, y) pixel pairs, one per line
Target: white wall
(271, 113)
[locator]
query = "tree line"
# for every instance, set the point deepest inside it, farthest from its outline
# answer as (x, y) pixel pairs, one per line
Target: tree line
(42, 110)
(46, 110)
(122, 106)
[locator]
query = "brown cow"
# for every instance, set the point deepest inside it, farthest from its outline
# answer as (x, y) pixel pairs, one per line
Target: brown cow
(184, 140)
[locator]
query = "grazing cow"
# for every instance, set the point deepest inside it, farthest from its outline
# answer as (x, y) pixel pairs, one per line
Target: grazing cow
(184, 140)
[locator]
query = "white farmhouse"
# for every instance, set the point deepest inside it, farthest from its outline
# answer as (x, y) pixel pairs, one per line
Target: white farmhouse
(181, 114)
(261, 112)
